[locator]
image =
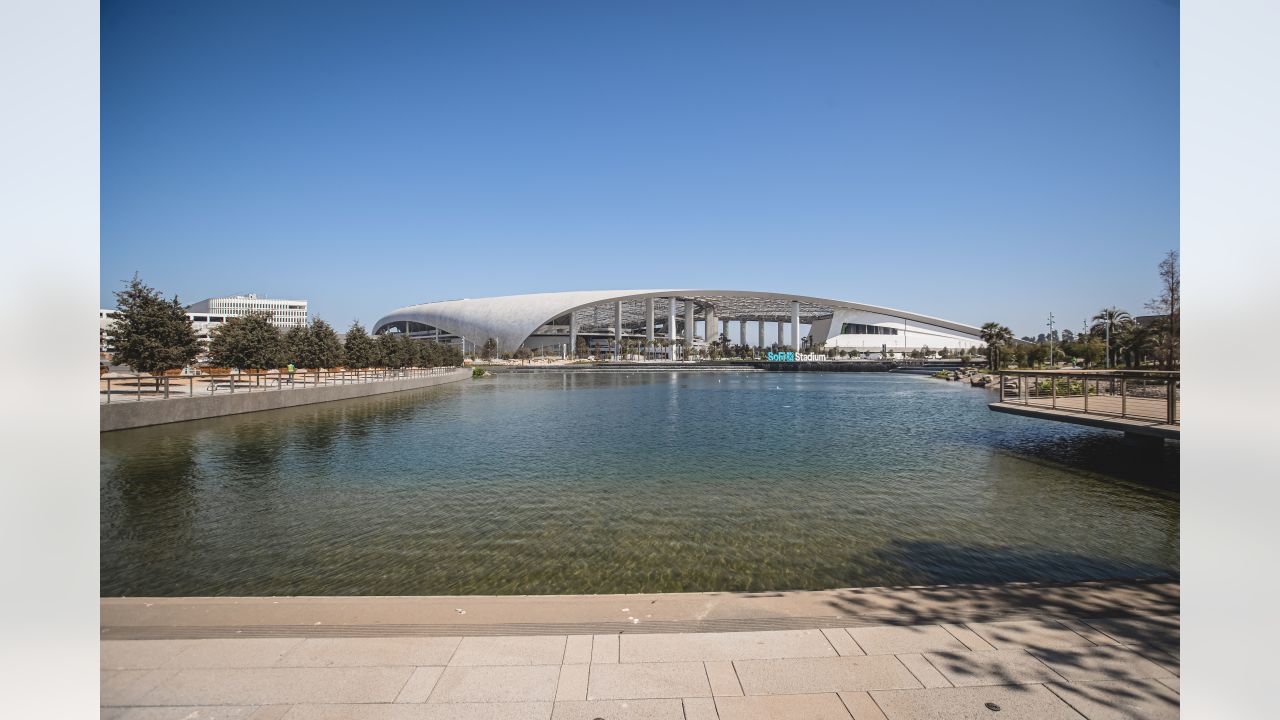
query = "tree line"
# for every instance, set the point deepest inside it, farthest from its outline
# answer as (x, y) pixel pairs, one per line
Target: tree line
(1114, 337)
(151, 335)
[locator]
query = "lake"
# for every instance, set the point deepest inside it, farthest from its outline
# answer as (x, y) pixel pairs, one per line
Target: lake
(572, 482)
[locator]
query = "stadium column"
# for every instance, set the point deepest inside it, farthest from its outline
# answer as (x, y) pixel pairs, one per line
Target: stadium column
(742, 333)
(711, 327)
(573, 335)
(689, 321)
(760, 322)
(795, 325)
(671, 326)
(617, 330)
(648, 324)
(782, 333)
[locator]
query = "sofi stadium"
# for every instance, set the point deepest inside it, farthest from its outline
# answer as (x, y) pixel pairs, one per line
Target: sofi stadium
(669, 322)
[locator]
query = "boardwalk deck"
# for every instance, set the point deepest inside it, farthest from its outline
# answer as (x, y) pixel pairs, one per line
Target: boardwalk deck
(1107, 405)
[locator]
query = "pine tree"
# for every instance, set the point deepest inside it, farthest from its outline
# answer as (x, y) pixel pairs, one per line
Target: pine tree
(386, 351)
(151, 334)
(323, 348)
(295, 345)
(250, 341)
(358, 349)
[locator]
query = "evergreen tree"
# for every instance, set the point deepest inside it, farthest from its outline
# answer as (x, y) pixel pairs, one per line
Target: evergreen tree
(407, 352)
(323, 349)
(294, 343)
(433, 354)
(250, 341)
(451, 356)
(151, 334)
(489, 350)
(386, 351)
(358, 349)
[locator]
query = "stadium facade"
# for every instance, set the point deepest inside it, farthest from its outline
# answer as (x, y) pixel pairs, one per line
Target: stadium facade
(605, 320)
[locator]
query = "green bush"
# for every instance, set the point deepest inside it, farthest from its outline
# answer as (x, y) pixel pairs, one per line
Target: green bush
(477, 372)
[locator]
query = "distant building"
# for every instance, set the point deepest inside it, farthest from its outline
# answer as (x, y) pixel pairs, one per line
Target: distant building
(284, 313)
(605, 320)
(209, 314)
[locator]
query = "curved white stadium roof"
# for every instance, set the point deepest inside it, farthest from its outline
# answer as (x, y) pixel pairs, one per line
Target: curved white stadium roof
(511, 319)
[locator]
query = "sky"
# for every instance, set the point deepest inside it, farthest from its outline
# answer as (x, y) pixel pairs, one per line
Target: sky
(976, 161)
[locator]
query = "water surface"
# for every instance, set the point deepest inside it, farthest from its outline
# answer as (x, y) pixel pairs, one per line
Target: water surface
(608, 483)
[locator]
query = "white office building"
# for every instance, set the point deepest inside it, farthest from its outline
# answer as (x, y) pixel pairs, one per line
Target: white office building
(284, 313)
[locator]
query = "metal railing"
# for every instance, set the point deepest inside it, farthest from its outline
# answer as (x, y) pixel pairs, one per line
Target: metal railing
(135, 388)
(1136, 394)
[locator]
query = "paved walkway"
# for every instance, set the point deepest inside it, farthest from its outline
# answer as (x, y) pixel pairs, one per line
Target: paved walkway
(997, 653)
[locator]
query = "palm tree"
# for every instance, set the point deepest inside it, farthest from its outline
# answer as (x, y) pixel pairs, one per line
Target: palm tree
(995, 336)
(1105, 320)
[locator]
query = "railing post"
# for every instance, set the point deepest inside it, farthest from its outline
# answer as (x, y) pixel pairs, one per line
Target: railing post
(166, 387)
(108, 390)
(232, 383)
(137, 383)
(1172, 400)
(1124, 396)
(1084, 385)
(1053, 383)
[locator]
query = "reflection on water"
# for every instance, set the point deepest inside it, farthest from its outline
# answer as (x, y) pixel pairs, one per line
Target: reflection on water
(603, 483)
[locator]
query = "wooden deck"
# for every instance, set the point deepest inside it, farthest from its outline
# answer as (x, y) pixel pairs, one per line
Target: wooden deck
(1107, 405)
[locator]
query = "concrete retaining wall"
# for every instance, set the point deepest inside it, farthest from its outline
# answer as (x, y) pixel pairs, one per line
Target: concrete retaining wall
(125, 415)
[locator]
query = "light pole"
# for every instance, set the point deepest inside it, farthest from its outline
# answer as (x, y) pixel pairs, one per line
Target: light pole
(1051, 358)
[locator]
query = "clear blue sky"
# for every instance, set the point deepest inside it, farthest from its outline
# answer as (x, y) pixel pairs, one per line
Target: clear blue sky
(972, 160)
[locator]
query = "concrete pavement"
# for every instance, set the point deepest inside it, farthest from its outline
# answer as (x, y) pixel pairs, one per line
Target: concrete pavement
(1091, 650)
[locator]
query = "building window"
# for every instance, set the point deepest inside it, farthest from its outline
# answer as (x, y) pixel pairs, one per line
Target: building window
(860, 329)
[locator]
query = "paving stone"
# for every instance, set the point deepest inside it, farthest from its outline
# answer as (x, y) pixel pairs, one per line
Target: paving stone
(1087, 632)
(1103, 662)
(782, 707)
(861, 706)
(924, 671)
(604, 649)
(898, 639)
(573, 682)
(515, 650)
(497, 684)
(242, 653)
(763, 645)
(354, 712)
(700, 709)
(1016, 702)
(971, 639)
(214, 712)
(271, 712)
(139, 654)
(1143, 632)
(667, 709)
(487, 711)
(444, 711)
(577, 651)
(818, 675)
(1117, 700)
(354, 652)
(842, 642)
(648, 680)
(997, 667)
(271, 686)
(420, 684)
(128, 687)
(724, 680)
(1167, 662)
(1028, 634)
